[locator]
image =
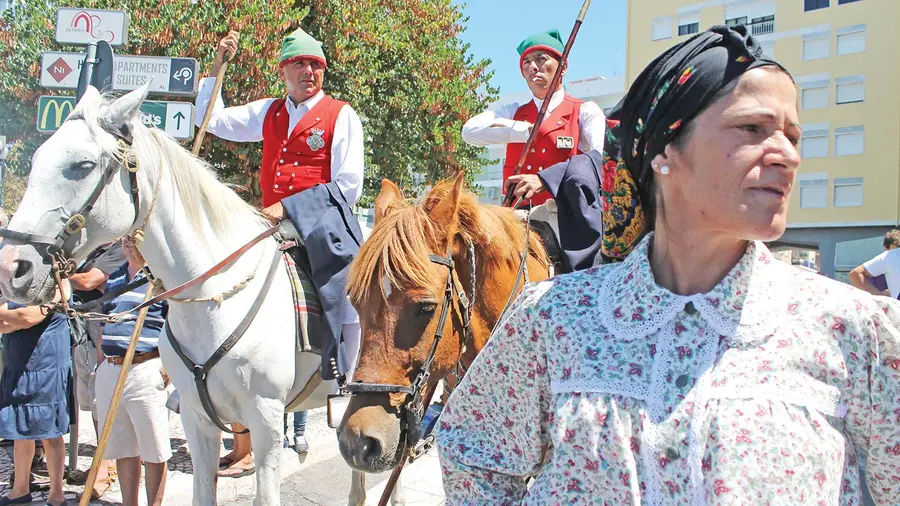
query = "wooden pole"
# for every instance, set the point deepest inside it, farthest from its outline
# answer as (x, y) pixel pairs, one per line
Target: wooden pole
(114, 405)
(211, 104)
(554, 84)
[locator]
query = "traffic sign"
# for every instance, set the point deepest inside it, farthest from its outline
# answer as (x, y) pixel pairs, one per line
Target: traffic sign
(167, 75)
(174, 118)
(86, 26)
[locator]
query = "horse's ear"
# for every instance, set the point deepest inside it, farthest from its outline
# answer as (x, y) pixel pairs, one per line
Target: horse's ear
(125, 108)
(445, 213)
(90, 97)
(390, 194)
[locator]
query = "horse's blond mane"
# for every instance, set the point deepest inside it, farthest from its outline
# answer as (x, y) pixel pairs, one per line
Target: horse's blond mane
(402, 240)
(205, 198)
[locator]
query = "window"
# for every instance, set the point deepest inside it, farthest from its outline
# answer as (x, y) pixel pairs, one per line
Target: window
(851, 39)
(848, 192)
(662, 29)
(688, 29)
(842, 2)
(814, 98)
(736, 21)
(688, 24)
(816, 46)
(814, 143)
(850, 90)
(813, 191)
(762, 25)
(849, 141)
(493, 193)
(811, 5)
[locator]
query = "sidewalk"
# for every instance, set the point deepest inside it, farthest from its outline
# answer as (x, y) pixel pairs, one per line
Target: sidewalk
(322, 479)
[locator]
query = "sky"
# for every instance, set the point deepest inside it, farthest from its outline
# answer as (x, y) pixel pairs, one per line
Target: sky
(495, 28)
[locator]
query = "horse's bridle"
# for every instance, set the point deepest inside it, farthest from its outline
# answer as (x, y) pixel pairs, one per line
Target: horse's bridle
(413, 409)
(55, 248)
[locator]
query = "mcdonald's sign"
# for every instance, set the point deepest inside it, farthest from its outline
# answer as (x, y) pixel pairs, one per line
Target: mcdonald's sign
(52, 111)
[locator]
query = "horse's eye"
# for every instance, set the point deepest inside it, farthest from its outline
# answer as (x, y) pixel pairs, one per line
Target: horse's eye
(84, 166)
(427, 308)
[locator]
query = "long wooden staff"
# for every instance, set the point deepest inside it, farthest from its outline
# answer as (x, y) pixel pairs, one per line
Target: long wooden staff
(395, 474)
(554, 84)
(211, 104)
(114, 405)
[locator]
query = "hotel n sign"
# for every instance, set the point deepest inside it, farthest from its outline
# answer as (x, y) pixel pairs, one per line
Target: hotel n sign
(81, 27)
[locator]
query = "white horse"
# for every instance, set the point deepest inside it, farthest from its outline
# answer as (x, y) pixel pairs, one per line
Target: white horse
(190, 221)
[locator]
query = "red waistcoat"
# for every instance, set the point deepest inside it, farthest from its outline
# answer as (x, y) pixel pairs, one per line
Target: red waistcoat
(556, 142)
(296, 162)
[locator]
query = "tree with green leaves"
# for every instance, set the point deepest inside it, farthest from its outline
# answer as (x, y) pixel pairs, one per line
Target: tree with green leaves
(399, 63)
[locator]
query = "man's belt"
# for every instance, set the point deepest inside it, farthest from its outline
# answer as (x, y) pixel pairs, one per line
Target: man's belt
(139, 358)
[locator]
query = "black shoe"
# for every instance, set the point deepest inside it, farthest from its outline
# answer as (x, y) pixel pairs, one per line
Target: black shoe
(25, 499)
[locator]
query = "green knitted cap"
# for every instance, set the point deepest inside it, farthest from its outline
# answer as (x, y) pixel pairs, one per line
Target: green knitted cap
(300, 44)
(550, 41)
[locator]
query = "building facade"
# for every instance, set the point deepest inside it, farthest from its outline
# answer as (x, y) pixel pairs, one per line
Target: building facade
(605, 92)
(843, 55)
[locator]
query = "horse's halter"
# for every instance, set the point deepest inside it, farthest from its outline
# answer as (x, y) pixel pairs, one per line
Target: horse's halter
(413, 408)
(55, 248)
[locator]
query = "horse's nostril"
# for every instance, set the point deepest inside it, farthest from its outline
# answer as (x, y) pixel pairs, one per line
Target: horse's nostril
(23, 267)
(370, 451)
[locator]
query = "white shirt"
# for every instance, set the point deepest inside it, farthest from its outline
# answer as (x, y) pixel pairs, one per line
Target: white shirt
(244, 123)
(479, 131)
(887, 264)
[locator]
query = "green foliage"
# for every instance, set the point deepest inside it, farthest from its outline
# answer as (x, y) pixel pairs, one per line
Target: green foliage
(399, 63)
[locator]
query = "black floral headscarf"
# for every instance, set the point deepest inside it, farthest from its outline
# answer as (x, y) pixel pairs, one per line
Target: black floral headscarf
(673, 89)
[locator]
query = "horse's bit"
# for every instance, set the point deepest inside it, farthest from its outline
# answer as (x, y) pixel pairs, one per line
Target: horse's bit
(55, 248)
(413, 409)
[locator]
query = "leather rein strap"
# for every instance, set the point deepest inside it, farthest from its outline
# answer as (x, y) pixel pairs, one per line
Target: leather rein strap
(210, 273)
(201, 371)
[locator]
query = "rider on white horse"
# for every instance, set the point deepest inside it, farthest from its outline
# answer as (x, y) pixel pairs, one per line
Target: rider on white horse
(309, 139)
(572, 126)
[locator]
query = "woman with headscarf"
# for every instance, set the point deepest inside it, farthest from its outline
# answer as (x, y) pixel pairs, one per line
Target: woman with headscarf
(699, 369)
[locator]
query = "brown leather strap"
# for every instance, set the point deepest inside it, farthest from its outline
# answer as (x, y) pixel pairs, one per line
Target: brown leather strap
(208, 274)
(139, 358)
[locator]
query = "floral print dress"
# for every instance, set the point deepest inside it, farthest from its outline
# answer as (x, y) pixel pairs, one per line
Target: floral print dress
(611, 390)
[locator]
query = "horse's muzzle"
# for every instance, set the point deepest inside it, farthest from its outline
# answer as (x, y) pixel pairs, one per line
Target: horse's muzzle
(25, 274)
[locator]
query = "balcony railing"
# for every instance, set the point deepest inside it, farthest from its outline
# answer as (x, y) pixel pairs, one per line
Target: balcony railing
(762, 27)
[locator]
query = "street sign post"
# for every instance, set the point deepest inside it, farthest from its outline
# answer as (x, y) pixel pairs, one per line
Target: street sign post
(89, 26)
(174, 118)
(167, 75)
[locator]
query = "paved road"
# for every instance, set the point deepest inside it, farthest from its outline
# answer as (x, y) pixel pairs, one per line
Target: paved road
(322, 479)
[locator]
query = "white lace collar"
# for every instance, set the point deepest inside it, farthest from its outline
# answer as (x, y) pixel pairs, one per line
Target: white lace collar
(743, 306)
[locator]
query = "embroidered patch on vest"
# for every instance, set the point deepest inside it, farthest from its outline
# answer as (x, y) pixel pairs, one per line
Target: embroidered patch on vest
(565, 142)
(315, 140)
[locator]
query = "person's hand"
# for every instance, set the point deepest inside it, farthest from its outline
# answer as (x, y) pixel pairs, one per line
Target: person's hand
(274, 213)
(525, 186)
(227, 46)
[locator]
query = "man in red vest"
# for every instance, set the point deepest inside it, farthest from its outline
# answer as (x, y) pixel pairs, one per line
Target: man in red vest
(309, 139)
(572, 126)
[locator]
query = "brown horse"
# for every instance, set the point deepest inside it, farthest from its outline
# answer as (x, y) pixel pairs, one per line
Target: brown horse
(400, 287)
